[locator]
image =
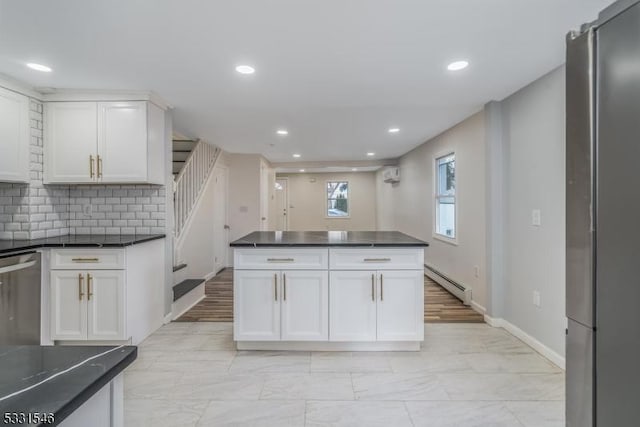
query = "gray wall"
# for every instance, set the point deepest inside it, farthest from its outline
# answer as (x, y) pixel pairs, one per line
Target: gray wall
(533, 121)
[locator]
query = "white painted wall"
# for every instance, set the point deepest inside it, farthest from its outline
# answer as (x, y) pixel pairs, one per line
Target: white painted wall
(408, 206)
(308, 201)
(534, 132)
(244, 194)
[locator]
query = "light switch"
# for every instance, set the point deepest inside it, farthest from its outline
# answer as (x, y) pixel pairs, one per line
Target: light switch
(535, 217)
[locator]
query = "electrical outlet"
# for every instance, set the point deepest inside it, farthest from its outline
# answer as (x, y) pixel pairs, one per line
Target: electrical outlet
(536, 298)
(87, 209)
(476, 271)
(535, 217)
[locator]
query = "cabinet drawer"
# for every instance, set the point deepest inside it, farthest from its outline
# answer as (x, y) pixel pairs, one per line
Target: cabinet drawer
(87, 259)
(281, 259)
(376, 259)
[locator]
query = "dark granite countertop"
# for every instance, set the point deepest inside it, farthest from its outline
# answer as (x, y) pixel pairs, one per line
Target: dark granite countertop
(78, 240)
(328, 238)
(57, 379)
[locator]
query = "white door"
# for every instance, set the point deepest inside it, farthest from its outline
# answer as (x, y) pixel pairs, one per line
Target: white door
(352, 306)
(400, 305)
(14, 136)
(256, 304)
(122, 141)
(220, 228)
(282, 204)
(106, 305)
(305, 305)
(68, 305)
(70, 146)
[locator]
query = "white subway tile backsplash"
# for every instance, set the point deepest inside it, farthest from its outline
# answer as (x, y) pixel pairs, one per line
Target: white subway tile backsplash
(33, 211)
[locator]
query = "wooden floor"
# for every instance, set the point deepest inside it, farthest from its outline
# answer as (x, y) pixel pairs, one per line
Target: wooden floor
(439, 305)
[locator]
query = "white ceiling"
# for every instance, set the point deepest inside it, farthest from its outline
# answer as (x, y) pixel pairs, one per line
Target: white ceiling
(335, 73)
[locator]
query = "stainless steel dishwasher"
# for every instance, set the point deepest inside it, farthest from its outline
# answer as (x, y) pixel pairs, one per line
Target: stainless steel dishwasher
(20, 287)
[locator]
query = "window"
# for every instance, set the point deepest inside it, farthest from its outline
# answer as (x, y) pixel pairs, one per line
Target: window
(337, 199)
(446, 196)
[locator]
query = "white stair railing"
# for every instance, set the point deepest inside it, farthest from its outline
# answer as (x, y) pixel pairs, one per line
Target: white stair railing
(191, 181)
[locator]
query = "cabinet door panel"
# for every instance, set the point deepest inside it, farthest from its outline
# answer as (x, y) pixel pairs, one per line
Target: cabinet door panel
(122, 141)
(256, 305)
(70, 140)
(305, 305)
(14, 137)
(106, 305)
(352, 306)
(400, 306)
(68, 305)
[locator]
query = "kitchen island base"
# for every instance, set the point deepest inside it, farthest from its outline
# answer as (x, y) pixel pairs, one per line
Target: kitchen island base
(363, 296)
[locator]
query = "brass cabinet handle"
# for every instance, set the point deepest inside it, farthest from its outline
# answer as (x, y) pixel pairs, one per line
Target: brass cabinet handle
(373, 287)
(280, 260)
(377, 259)
(80, 279)
(284, 285)
(91, 166)
(89, 281)
(275, 285)
(85, 259)
(99, 167)
(381, 288)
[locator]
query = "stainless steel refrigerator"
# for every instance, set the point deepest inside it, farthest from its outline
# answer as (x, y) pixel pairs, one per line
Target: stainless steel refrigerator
(603, 220)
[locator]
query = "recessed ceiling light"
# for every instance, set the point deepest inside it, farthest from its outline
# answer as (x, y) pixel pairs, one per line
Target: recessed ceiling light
(371, 154)
(245, 69)
(394, 130)
(282, 132)
(354, 169)
(39, 67)
(296, 155)
(458, 65)
(301, 170)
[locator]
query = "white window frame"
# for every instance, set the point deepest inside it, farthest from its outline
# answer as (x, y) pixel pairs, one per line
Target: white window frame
(437, 196)
(326, 199)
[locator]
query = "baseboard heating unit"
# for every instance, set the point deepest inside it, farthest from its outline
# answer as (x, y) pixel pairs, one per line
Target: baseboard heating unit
(457, 289)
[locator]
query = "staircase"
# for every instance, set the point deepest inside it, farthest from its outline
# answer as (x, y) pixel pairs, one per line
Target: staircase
(193, 163)
(182, 149)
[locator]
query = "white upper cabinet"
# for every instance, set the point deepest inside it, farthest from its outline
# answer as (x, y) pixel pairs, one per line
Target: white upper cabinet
(104, 142)
(14, 137)
(70, 142)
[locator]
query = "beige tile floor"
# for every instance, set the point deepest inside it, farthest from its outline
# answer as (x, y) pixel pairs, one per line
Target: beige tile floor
(188, 374)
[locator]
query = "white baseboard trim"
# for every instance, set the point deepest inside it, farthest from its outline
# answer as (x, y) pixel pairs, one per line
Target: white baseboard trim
(478, 308)
(168, 318)
(186, 302)
(532, 342)
(209, 276)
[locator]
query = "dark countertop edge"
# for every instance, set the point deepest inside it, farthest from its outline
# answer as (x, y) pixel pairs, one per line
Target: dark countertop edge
(93, 388)
(329, 245)
(28, 245)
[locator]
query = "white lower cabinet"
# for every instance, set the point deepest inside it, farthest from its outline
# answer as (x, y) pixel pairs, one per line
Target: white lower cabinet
(381, 305)
(68, 305)
(87, 305)
(290, 305)
(352, 306)
(256, 306)
(106, 305)
(305, 305)
(400, 305)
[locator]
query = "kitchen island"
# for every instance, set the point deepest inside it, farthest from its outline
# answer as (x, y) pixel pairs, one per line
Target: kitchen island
(68, 385)
(329, 291)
